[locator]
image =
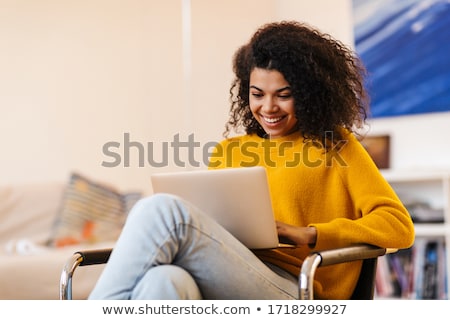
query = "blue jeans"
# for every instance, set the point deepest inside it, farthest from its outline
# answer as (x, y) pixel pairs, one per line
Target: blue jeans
(169, 249)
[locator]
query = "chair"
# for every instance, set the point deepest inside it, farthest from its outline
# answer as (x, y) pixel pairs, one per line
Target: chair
(364, 289)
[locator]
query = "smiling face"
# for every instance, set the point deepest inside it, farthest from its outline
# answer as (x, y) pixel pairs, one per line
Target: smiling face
(272, 103)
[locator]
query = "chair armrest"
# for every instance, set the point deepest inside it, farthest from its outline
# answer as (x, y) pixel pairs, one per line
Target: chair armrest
(331, 257)
(96, 256)
(80, 258)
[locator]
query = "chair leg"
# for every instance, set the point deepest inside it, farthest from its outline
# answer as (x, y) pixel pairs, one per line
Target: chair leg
(306, 278)
(65, 284)
(78, 259)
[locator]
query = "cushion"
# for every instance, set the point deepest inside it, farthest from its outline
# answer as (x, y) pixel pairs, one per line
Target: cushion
(90, 212)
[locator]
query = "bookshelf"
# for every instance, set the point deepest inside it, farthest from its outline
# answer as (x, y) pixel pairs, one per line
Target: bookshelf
(421, 272)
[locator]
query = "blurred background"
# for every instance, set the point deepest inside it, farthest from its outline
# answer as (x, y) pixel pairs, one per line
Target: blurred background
(88, 84)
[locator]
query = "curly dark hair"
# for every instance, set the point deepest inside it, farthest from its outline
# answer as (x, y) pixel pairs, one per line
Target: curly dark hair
(326, 78)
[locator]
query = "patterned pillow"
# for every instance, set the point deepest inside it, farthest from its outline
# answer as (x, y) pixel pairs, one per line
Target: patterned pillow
(90, 212)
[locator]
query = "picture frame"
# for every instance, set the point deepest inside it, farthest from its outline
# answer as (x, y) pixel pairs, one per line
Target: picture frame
(378, 147)
(404, 45)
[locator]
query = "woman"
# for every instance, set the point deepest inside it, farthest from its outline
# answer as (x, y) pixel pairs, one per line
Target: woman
(299, 98)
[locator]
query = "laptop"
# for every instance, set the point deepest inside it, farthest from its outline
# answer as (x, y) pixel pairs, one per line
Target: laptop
(238, 198)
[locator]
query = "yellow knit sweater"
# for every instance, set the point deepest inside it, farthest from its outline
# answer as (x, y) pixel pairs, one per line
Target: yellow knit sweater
(342, 194)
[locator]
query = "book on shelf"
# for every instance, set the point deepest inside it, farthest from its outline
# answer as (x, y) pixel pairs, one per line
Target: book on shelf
(415, 273)
(430, 272)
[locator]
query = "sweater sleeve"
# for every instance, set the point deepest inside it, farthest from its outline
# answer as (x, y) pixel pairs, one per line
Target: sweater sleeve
(384, 221)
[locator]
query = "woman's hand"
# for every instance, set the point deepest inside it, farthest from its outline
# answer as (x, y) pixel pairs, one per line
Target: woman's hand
(297, 235)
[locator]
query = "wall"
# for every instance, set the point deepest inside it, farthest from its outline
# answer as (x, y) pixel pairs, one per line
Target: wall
(418, 142)
(77, 75)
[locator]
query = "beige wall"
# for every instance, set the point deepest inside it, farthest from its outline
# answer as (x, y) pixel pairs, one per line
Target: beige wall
(77, 74)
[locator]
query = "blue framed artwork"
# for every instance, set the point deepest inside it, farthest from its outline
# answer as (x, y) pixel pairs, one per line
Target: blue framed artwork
(405, 46)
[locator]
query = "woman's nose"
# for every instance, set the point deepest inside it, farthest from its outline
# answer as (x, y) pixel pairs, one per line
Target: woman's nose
(270, 105)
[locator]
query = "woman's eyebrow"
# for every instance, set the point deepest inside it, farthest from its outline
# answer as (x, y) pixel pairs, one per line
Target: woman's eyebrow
(255, 87)
(278, 90)
(283, 89)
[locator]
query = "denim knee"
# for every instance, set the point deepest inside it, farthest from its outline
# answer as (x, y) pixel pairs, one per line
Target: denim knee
(160, 202)
(167, 282)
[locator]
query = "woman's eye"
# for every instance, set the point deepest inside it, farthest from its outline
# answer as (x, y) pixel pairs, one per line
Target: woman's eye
(257, 95)
(285, 96)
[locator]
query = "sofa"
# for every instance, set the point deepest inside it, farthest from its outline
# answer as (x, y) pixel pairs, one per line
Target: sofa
(43, 224)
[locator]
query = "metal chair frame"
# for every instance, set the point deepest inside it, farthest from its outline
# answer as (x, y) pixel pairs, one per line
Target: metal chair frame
(364, 290)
